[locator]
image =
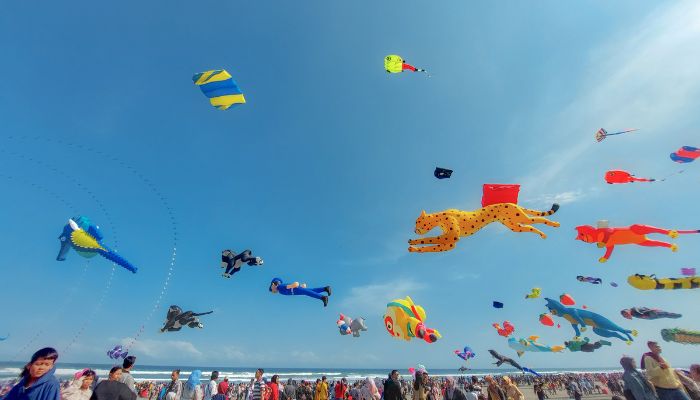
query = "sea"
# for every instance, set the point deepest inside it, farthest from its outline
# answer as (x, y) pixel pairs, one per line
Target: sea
(10, 370)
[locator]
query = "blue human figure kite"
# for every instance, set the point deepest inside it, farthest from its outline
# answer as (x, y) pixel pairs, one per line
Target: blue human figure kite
(296, 289)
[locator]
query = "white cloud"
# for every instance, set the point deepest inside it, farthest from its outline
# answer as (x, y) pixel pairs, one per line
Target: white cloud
(373, 297)
(646, 78)
(566, 197)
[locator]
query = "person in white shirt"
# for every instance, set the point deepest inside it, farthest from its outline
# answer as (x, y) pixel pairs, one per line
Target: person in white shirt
(211, 389)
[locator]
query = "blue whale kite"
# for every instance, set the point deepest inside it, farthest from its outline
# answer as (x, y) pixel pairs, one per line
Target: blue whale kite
(86, 240)
(601, 325)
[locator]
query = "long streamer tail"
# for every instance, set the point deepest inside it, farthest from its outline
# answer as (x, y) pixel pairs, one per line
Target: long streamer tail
(117, 259)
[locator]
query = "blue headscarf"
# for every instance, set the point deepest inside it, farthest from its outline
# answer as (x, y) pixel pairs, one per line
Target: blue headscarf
(194, 379)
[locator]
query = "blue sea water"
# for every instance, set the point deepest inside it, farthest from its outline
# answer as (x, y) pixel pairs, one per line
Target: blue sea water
(9, 370)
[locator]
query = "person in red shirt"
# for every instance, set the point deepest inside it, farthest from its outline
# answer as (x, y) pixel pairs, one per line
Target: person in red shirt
(223, 387)
(340, 389)
(274, 387)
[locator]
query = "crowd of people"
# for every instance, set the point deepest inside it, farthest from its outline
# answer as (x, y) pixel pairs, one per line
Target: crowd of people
(656, 380)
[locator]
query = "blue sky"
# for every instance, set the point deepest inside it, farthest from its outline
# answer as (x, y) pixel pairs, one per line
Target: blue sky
(324, 170)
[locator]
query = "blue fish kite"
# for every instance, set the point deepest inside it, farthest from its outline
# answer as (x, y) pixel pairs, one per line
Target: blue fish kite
(601, 325)
(86, 239)
(531, 344)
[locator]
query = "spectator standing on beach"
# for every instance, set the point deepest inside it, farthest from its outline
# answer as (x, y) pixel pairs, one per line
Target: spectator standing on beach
(340, 389)
(369, 390)
(420, 389)
(222, 389)
(258, 386)
(321, 389)
(574, 389)
(192, 389)
(211, 389)
(113, 388)
(539, 391)
(392, 387)
(174, 390)
(290, 390)
(126, 377)
(452, 391)
(661, 375)
(79, 389)
(37, 378)
(493, 391)
(274, 386)
(512, 391)
(636, 385)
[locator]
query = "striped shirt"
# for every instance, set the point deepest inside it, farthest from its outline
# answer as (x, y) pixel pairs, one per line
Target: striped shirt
(258, 387)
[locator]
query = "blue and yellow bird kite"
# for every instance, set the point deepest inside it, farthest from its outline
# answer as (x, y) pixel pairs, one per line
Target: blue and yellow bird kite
(86, 239)
(220, 88)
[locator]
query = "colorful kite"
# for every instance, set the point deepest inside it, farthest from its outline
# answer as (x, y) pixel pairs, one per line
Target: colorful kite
(394, 64)
(296, 289)
(683, 336)
(347, 325)
(647, 313)
(117, 352)
(688, 272)
(685, 154)
(601, 325)
(567, 300)
(406, 320)
(635, 234)
(442, 173)
(220, 88)
(620, 176)
(589, 279)
(456, 224)
(232, 262)
(506, 330)
(585, 345)
(530, 344)
(534, 293)
(466, 354)
(501, 359)
(602, 133)
(86, 239)
(651, 282)
(177, 319)
(546, 319)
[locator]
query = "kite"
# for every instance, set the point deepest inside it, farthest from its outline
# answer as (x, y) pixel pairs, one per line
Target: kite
(566, 299)
(683, 336)
(589, 279)
(232, 262)
(497, 304)
(86, 239)
(5, 338)
(530, 344)
(405, 320)
(501, 359)
(466, 354)
(394, 64)
(634, 234)
(650, 282)
(647, 313)
(585, 345)
(176, 319)
(620, 176)
(613, 284)
(498, 193)
(601, 325)
(296, 289)
(534, 293)
(463, 369)
(506, 330)
(685, 154)
(546, 319)
(602, 133)
(220, 88)
(457, 223)
(688, 271)
(117, 352)
(348, 325)
(442, 173)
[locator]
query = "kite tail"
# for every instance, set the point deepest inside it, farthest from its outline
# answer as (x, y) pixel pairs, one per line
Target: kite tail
(634, 179)
(690, 231)
(204, 313)
(117, 259)
(531, 371)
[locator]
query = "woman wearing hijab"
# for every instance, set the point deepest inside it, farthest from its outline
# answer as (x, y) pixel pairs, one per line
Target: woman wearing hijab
(512, 391)
(193, 388)
(369, 390)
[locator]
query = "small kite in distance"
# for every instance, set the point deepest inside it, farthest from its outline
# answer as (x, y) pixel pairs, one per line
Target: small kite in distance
(442, 173)
(602, 133)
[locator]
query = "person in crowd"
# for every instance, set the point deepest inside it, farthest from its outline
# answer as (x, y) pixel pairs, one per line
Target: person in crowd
(340, 389)
(222, 389)
(453, 391)
(274, 387)
(574, 389)
(290, 390)
(512, 391)
(192, 389)
(258, 385)
(211, 389)
(80, 388)
(321, 389)
(113, 388)
(392, 387)
(636, 385)
(369, 390)
(37, 378)
(661, 375)
(493, 391)
(174, 390)
(126, 378)
(420, 388)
